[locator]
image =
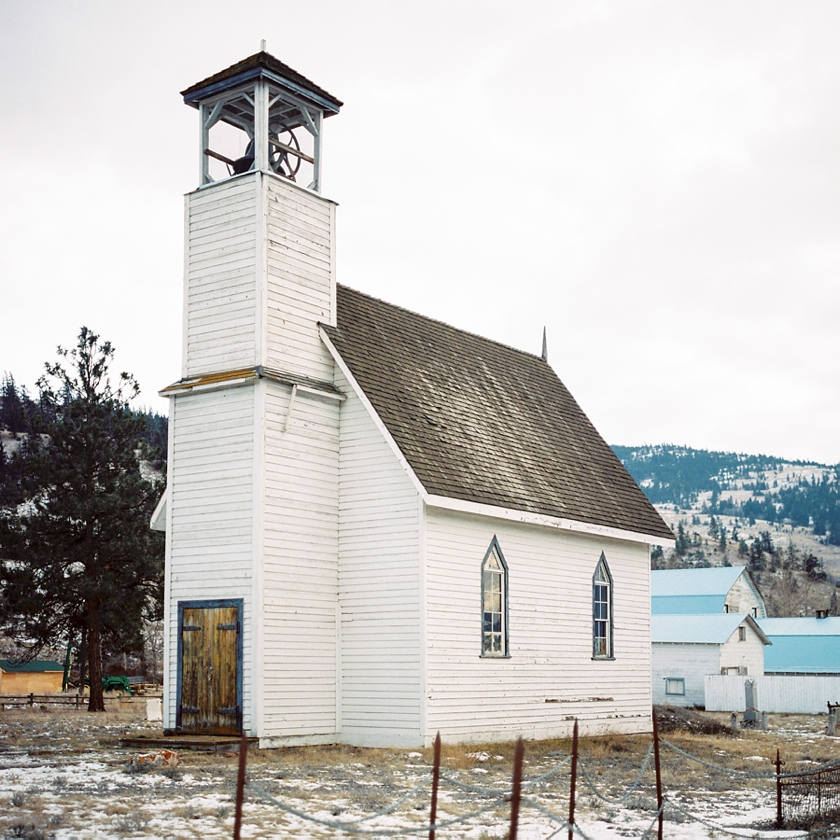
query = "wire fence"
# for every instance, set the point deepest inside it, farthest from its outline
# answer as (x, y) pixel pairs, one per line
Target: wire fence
(804, 799)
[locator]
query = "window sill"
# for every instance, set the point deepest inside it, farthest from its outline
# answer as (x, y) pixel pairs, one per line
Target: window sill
(603, 659)
(494, 656)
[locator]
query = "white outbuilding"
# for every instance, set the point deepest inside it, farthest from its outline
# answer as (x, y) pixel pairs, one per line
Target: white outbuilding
(687, 648)
(378, 526)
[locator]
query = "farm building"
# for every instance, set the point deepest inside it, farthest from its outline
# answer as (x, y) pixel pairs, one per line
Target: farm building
(378, 526)
(696, 591)
(36, 677)
(803, 646)
(685, 648)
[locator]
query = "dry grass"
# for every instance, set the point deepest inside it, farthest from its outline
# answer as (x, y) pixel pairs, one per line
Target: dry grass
(348, 781)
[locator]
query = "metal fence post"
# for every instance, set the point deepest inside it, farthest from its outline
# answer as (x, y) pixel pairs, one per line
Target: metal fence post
(516, 790)
(435, 782)
(573, 781)
(779, 764)
(658, 774)
(240, 786)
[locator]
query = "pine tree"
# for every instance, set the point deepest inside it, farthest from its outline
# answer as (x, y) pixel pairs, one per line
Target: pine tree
(77, 555)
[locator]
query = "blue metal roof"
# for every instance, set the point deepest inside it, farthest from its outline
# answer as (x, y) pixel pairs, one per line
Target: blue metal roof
(687, 604)
(802, 645)
(715, 581)
(699, 629)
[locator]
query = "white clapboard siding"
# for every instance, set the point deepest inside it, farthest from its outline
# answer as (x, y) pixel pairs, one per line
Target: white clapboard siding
(300, 278)
(550, 677)
(690, 663)
(747, 654)
(221, 277)
(379, 587)
(299, 566)
(801, 694)
(211, 508)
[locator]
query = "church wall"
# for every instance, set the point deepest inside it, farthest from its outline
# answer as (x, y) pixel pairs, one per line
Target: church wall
(300, 278)
(379, 588)
(220, 322)
(299, 577)
(211, 498)
(550, 677)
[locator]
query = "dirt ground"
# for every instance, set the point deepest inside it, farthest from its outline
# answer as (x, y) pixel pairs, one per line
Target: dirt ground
(63, 775)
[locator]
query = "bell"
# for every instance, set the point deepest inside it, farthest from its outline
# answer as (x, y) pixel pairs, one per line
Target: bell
(244, 163)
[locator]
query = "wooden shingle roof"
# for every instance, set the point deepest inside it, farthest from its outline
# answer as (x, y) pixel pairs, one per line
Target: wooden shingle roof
(254, 66)
(481, 422)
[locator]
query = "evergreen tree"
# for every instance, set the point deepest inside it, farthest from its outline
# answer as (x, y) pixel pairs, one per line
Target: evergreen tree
(77, 554)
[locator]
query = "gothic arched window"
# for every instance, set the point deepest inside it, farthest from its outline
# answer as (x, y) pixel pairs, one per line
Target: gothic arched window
(602, 611)
(494, 602)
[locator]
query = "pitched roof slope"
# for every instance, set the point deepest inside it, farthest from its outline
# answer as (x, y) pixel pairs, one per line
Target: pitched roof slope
(700, 629)
(482, 422)
(717, 580)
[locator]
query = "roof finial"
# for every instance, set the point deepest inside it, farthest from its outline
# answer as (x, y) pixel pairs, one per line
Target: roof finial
(262, 45)
(545, 346)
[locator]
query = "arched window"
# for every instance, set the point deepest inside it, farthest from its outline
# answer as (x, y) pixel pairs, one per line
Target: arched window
(494, 608)
(602, 611)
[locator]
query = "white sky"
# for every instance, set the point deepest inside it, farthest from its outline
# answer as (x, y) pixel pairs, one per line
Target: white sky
(658, 183)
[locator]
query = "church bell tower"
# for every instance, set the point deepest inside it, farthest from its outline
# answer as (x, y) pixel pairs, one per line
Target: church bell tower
(252, 486)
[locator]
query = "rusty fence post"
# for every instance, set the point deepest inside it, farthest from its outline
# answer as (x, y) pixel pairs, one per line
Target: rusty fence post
(516, 790)
(658, 774)
(573, 782)
(240, 785)
(435, 782)
(778, 764)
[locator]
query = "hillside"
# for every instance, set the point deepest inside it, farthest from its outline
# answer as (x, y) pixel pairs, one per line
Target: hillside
(778, 517)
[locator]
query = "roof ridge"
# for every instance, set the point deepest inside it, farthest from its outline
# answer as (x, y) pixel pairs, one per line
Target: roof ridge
(429, 318)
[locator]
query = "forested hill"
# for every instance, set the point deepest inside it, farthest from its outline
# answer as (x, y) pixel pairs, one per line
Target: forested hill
(22, 415)
(800, 493)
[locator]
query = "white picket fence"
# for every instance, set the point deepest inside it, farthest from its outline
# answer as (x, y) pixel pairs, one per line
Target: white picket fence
(795, 695)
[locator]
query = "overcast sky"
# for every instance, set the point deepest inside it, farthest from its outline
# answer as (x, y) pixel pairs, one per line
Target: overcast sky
(657, 183)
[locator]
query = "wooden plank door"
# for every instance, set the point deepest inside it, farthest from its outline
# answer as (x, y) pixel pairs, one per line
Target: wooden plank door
(210, 699)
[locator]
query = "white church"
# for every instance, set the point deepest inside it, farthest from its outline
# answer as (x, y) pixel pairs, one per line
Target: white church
(378, 526)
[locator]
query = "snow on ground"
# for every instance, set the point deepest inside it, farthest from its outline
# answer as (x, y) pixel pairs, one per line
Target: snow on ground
(63, 776)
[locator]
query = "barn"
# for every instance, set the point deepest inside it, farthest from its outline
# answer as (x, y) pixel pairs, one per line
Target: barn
(379, 526)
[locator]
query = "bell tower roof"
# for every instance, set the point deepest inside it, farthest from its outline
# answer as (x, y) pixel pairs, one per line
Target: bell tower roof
(262, 65)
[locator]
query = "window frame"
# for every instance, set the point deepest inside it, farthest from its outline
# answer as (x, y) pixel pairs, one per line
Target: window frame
(495, 550)
(675, 680)
(609, 654)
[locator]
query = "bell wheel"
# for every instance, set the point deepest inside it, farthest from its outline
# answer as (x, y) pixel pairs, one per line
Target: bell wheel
(284, 161)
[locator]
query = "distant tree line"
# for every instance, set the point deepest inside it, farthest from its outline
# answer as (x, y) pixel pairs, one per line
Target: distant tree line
(678, 475)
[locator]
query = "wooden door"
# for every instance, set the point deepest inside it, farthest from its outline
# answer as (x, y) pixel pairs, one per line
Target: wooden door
(210, 681)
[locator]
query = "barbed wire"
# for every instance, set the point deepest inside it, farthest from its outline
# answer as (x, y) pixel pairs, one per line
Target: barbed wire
(633, 788)
(754, 835)
(351, 827)
(526, 783)
(746, 773)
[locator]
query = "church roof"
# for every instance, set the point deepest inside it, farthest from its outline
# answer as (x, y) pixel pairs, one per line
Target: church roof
(481, 422)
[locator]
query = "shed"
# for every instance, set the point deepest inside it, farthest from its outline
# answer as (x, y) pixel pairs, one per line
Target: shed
(803, 646)
(37, 677)
(685, 648)
(701, 591)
